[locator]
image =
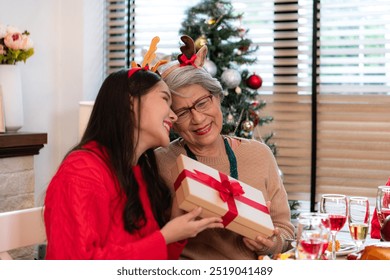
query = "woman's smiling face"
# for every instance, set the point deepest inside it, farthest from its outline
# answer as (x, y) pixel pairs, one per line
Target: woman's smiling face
(201, 128)
(156, 118)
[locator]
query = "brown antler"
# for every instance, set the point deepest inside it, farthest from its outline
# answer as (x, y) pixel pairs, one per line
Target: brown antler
(189, 56)
(189, 47)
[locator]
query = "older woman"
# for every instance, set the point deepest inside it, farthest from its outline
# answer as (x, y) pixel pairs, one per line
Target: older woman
(196, 100)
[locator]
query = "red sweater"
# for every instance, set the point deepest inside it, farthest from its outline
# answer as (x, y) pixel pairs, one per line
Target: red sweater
(83, 214)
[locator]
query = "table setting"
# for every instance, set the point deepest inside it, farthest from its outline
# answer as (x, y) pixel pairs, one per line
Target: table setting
(341, 229)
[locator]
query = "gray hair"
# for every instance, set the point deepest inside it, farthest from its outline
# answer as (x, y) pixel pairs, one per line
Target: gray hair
(189, 75)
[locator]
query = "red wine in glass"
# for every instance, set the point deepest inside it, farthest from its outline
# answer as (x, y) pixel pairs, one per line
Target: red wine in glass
(312, 246)
(336, 206)
(312, 233)
(337, 222)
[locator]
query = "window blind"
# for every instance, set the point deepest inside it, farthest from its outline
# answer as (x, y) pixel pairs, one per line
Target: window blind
(131, 25)
(118, 20)
(352, 87)
(284, 61)
(353, 104)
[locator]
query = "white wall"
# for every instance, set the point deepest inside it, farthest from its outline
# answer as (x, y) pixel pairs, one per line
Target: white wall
(67, 68)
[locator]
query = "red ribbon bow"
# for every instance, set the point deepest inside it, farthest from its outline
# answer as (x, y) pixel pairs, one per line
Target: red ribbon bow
(229, 188)
(229, 191)
(184, 61)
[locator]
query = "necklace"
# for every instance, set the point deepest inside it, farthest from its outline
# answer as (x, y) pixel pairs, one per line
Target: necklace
(230, 154)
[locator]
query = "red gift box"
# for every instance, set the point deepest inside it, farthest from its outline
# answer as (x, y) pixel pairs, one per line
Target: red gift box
(242, 207)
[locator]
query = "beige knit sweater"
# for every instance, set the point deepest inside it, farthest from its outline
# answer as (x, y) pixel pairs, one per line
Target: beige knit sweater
(256, 167)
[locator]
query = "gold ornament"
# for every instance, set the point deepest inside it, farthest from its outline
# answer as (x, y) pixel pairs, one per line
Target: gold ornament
(211, 21)
(247, 125)
(200, 42)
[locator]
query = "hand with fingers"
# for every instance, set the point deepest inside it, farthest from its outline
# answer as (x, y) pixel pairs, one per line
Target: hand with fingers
(261, 243)
(188, 225)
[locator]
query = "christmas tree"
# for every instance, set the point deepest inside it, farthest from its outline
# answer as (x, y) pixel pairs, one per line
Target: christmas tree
(216, 24)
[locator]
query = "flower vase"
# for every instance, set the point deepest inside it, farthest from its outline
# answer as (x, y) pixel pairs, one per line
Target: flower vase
(11, 86)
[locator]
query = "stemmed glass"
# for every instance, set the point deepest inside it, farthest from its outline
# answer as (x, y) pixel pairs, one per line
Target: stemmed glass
(358, 219)
(383, 203)
(312, 236)
(336, 206)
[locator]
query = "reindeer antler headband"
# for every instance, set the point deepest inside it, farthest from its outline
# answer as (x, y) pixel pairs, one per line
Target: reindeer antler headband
(188, 56)
(150, 55)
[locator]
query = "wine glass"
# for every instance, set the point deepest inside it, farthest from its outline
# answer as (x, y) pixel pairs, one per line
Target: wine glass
(312, 236)
(358, 219)
(336, 206)
(383, 203)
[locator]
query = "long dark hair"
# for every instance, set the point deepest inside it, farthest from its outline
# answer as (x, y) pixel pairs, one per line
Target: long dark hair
(111, 124)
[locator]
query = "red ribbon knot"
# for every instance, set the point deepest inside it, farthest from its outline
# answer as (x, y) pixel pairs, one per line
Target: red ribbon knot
(184, 61)
(230, 188)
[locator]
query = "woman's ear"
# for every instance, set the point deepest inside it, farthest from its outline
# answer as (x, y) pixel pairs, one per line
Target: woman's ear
(201, 56)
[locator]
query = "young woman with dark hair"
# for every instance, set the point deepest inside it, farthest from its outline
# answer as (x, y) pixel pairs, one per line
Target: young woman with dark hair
(107, 199)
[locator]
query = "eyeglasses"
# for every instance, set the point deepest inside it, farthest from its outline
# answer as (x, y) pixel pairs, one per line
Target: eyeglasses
(202, 105)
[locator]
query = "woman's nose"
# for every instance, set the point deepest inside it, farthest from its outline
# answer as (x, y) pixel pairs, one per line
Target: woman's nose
(172, 116)
(197, 117)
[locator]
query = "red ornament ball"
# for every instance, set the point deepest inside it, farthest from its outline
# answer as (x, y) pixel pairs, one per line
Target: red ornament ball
(254, 81)
(243, 48)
